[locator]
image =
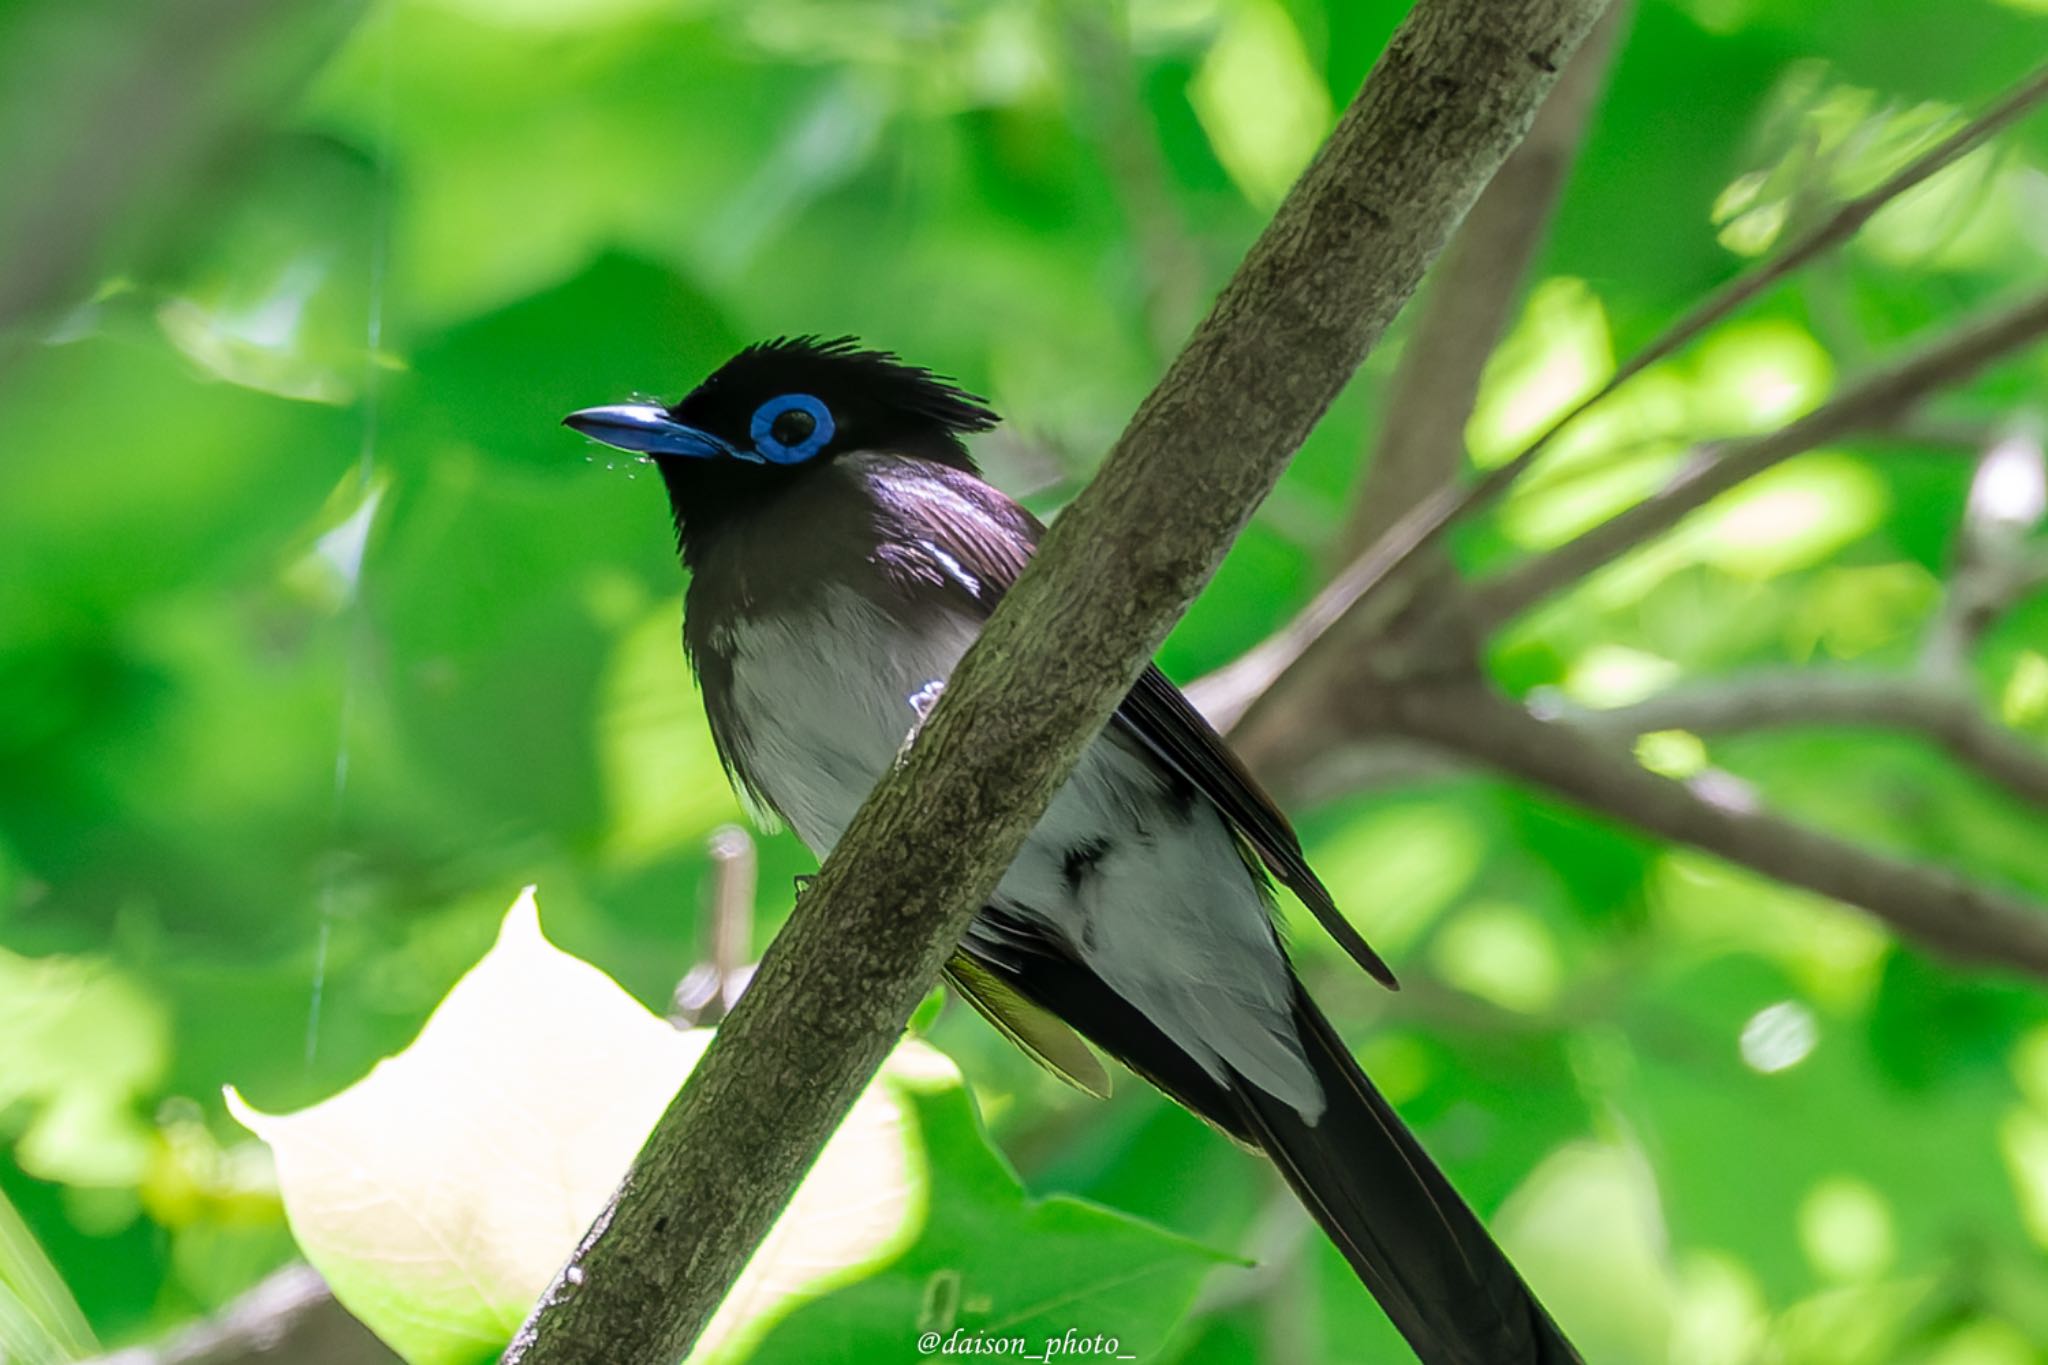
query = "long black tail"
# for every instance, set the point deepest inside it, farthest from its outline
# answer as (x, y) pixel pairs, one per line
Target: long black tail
(1424, 1255)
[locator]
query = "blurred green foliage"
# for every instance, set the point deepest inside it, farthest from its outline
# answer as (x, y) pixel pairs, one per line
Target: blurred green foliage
(318, 637)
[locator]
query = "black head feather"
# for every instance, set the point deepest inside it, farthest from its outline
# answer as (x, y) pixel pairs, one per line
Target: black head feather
(777, 414)
(781, 411)
(877, 401)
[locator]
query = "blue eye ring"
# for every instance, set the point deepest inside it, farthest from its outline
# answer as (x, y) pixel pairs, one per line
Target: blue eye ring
(762, 429)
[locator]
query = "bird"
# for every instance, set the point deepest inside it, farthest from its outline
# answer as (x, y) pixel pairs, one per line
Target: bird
(842, 553)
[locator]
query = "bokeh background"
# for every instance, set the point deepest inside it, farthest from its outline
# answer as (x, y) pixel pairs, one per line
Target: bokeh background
(319, 637)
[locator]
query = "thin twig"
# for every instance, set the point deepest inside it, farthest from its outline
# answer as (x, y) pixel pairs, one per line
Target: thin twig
(713, 985)
(1420, 449)
(1914, 432)
(1871, 402)
(1469, 298)
(1934, 906)
(1836, 229)
(732, 910)
(1809, 697)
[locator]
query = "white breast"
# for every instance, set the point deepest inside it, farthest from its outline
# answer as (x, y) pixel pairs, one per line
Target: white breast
(1166, 912)
(830, 695)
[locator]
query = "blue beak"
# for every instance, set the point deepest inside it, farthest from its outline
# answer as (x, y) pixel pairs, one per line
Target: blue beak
(646, 430)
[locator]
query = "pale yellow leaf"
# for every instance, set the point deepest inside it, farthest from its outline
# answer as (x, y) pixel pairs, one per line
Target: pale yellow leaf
(440, 1194)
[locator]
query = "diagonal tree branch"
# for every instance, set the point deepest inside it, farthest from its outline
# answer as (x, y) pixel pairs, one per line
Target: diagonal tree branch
(1456, 87)
(1873, 401)
(1933, 906)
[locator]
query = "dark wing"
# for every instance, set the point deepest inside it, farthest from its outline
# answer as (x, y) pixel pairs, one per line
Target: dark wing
(981, 541)
(1168, 724)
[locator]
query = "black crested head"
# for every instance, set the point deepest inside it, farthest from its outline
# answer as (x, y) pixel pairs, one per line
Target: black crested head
(780, 409)
(871, 400)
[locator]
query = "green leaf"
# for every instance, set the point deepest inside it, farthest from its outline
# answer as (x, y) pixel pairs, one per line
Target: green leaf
(39, 1320)
(993, 1266)
(1260, 101)
(83, 1041)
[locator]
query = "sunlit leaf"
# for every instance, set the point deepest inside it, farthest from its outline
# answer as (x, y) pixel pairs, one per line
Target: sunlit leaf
(1618, 1283)
(1788, 517)
(1615, 675)
(1500, 952)
(440, 1194)
(1847, 1229)
(2026, 692)
(1557, 353)
(83, 1041)
(1401, 866)
(1756, 376)
(1260, 100)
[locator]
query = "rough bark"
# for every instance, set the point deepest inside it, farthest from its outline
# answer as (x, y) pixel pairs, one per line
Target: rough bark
(1455, 89)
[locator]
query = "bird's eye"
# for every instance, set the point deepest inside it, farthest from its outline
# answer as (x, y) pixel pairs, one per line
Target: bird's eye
(791, 429)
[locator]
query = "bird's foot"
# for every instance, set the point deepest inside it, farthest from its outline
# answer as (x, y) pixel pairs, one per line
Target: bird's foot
(921, 703)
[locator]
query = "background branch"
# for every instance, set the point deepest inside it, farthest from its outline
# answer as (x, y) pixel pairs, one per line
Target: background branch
(1936, 907)
(290, 1318)
(1457, 85)
(1927, 707)
(1873, 401)
(1469, 299)
(1427, 522)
